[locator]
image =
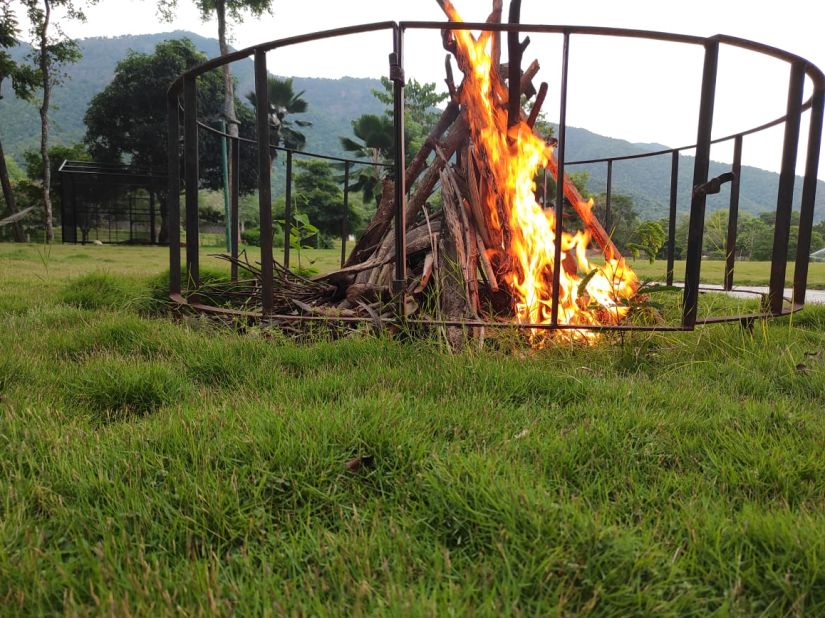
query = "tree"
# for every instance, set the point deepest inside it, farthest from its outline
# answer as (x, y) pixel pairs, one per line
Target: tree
(24, 79)
(376, 135)
(51, 49)
(748, 229)
(715, 237)
(420, 100)
(624, 219)
(420, 108)
(762, 249)
(126, 122)
(31, 187)
(283, 101)
(649, 236)
(817, 240)
(318, 194)
(820, 227)
(235, 9)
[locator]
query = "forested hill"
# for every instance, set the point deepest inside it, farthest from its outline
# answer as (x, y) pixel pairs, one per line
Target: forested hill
(648, 179)
(333, 104)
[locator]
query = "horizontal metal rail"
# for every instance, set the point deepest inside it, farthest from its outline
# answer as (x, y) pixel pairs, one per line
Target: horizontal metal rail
(305, 153)
(242, 54)
(182, 302)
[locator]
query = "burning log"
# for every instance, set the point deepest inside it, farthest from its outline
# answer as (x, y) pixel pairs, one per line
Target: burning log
(495, 43)
(508, 153)
(453, 125)
(475, 201)
(457, 270)
(584, 209)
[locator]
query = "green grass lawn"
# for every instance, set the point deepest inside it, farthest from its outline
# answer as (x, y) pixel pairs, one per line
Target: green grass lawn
(744, 273)
(159, 467)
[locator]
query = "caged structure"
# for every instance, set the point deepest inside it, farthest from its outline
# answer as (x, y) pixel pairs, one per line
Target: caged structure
(494, 253)
(112, 203)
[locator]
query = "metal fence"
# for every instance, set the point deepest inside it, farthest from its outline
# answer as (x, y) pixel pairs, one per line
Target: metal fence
(775, 304)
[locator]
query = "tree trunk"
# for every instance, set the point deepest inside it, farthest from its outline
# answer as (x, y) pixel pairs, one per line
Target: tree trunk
(44, 122)
(228, 93)
(8, 194)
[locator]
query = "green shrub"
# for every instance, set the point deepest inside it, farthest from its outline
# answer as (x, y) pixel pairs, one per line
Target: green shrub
(252, 236)
(116, 333)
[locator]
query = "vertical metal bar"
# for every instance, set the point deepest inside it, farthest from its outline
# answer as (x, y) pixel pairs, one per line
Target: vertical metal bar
(690, 301)
(565, 57)
(806, 215)
(345, 215)
(784, 198)
(234, 201)
(397, 76)
(733, 213)
(190, 162)
(288, 208)
(608, 222)
(64, 216)
(671, 220)
(264, 172)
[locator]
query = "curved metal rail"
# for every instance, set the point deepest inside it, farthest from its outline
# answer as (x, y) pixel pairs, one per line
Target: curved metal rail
(775, 303)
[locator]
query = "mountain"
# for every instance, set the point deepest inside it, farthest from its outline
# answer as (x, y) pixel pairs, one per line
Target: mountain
(334, 103)
(648, 180)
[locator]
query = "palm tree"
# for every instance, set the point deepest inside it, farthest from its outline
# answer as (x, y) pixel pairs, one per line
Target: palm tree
(377, 143)
(283, 101)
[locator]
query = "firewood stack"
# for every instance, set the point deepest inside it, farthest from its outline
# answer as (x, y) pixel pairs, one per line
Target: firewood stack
(456, 255)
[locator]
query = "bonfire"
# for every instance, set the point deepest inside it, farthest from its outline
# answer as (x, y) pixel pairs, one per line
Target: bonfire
(489, 254)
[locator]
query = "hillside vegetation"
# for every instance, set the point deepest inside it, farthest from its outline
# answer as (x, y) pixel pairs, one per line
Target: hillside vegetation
(333, 104)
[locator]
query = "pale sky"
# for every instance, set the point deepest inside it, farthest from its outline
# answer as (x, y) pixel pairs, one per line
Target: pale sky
(635, 90)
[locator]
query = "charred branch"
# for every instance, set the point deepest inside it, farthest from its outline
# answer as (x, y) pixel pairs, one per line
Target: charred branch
(514, 50)
(536, 109)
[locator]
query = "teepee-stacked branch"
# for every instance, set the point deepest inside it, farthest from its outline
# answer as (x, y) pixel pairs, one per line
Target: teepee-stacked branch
(471, 257)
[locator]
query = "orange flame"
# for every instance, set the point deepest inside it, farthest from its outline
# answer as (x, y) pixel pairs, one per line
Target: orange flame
(513, 157)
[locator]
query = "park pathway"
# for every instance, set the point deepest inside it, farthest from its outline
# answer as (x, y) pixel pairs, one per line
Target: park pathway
(816, 297)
